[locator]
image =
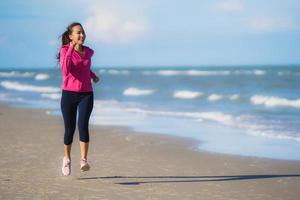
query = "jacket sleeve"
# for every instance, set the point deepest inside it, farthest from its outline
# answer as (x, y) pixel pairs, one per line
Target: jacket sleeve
(91, 52)
(65, 59)
(93, 75)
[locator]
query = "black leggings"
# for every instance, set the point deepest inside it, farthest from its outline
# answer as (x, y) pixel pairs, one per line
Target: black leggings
(69, 102)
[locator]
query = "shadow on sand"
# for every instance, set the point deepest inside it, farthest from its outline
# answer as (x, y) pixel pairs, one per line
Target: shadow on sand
(189, 179)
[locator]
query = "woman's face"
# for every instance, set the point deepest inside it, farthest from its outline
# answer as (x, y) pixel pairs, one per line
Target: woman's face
(78, 35)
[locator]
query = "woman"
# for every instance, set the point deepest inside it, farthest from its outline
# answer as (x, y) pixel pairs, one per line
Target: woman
(77, 92)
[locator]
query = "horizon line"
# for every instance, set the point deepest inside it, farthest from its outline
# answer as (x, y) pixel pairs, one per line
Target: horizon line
(160, 66)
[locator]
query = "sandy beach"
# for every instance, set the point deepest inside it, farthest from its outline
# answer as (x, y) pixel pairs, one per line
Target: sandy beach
(129, 165)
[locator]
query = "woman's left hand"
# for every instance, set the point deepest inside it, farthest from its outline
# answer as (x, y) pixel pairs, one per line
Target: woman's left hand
(96, 79)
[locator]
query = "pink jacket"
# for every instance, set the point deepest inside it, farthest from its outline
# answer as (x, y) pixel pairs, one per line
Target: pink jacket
(76, 70)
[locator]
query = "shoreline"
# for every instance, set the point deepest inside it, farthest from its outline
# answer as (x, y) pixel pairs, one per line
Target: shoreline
(128, 164)
(187, 143)
(193, 144)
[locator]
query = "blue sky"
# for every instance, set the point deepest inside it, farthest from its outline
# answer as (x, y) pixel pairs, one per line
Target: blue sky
(154, 32)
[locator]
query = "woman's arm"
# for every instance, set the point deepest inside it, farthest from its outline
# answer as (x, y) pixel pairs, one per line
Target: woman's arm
(93, 75)
(65, 59)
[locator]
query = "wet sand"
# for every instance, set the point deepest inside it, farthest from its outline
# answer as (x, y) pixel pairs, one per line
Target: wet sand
(129, 165)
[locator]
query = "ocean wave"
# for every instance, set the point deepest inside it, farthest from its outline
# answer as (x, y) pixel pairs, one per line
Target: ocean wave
(276, 135)
(283, 73)
(288, 73)
(168, 72)
(215, 97)
(102, 71)
(9, 98)
(244, 122)
(256, 72)
(249, 123)
(270, 101)
(137, 92)
(3, 95)
(234, 97)
(206, 73)
(186, 72)
(186, 94)
(54, 96)
(117, 72)
(41, 77)
(16, 74)
(219, 97)
(213, 116)
(14, 85)
(141, 109)
(259, 72)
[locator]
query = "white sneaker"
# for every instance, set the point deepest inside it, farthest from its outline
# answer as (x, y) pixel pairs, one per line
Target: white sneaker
(84, 165)
(66, 167)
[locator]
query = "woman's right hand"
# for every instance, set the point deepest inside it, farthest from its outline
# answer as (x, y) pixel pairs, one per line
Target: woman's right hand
(73, 44)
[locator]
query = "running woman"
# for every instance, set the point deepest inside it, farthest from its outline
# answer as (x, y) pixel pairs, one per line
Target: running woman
(77, 92)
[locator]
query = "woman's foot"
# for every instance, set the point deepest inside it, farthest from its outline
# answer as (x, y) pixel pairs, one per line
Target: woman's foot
(66, 167)
(84, 165)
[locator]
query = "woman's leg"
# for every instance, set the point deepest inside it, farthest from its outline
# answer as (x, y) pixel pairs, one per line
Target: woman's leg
(85, 109)
(69, 111)
(84, 148)
(67, 151)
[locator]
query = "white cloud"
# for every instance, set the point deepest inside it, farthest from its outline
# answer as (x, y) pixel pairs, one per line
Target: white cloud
(114, 22)
(270, 24)
(229, 6)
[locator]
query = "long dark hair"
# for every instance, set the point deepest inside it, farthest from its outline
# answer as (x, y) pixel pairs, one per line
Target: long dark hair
(65, 36)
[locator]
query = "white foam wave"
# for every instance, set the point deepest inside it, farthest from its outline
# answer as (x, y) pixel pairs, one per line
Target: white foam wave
(256, 72)
(188, 72)
(133, 112)
(14, 85)
(137, 92)
(118, 72)
(53, 96)
(273, 134)
(218, 97)
(101, 71)
(206, 73)
(217, 116)
(9, 98)
(288, 73)
(213, 116)
(215, 97)
(186, 94)
(259, 72)
(234, 97)
(282, 73)
(41, 77)
(274, 101)
(168, 72)
(138, 109)
(16, 74)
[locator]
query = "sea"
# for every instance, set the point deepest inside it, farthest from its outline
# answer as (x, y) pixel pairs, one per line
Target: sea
(238, 110)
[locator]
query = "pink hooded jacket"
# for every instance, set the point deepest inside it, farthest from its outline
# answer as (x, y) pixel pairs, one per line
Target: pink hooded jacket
(76, 70)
